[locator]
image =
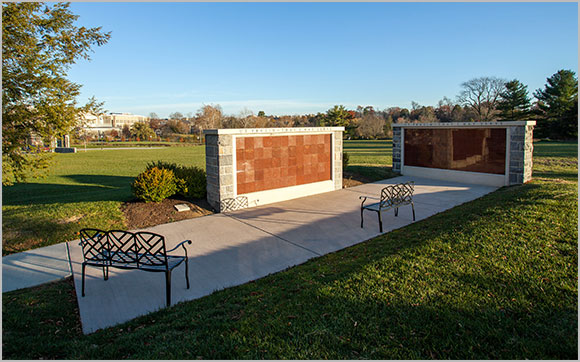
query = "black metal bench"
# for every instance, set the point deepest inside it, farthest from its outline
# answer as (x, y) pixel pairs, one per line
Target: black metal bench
(125, 250)
(392, 197)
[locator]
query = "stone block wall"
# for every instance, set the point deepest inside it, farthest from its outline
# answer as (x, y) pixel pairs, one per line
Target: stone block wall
(521, 150)
(397, 146)
(221, 167)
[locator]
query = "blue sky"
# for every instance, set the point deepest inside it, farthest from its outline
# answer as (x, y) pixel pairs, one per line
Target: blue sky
(297, 58)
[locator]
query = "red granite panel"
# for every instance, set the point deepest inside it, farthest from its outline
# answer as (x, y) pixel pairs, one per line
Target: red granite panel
(249, 143)
(267, 142)
(259, 175)
(241, 178)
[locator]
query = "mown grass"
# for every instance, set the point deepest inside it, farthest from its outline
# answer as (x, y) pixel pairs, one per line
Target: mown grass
(82, 190)
(370, 159)
(495, 278)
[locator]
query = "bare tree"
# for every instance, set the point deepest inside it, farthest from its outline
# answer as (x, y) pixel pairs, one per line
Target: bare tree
(481, 95)
(207, 117)
(371, 125)
(246, 117)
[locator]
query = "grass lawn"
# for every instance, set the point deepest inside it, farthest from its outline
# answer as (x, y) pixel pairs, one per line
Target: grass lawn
(495, 278)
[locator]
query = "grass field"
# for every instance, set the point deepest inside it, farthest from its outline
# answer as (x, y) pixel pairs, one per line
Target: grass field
(495, 278)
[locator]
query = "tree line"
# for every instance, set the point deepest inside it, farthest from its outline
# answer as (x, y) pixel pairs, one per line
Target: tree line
(484, 99)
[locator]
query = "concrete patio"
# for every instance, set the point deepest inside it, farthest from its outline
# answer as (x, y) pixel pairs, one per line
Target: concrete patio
(231, 249)
(234, 248)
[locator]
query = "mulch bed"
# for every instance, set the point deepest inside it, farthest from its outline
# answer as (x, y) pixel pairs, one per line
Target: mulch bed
(139, 214)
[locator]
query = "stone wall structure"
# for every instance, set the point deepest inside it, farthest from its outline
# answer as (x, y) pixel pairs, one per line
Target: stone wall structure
(256, 166)
(510, 143)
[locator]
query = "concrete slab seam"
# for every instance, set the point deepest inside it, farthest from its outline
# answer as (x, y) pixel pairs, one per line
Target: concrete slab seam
(274, 235)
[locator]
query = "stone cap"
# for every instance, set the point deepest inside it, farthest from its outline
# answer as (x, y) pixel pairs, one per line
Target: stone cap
(272, 130)
(466, 124)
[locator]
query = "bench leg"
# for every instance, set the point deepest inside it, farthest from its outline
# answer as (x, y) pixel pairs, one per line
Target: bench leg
(380, 221)
(83, 282)
(187, 272)
(396, 212)
(106, 272)
(361, 217)
(413, 208)
(168, 287)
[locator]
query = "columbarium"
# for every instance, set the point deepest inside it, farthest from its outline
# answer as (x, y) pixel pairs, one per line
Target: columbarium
(255, 166)
(488, 153)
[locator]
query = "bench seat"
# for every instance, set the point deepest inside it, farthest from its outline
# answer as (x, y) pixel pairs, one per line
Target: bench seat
(392, 197)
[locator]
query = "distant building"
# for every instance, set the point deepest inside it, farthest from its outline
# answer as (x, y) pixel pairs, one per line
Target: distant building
(111, 121)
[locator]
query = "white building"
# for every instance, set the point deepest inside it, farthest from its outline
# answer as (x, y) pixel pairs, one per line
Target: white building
(111, 121)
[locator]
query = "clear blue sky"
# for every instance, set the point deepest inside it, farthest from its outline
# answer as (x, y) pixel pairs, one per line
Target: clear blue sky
(296, 58)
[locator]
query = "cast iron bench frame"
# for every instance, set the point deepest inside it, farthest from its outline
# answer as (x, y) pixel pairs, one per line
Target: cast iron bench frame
(392, 197)
(126, 250)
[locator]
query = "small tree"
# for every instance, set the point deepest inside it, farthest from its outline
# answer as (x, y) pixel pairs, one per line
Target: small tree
(141, 131)
(514, 103)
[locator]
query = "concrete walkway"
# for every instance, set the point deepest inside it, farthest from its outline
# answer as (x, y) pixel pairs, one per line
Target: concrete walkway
(35, 267)
(234, 248)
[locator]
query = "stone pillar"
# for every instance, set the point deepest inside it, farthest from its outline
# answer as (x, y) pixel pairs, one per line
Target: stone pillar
(521, 150)
(219, 168)
(397, 146)
(337, 160)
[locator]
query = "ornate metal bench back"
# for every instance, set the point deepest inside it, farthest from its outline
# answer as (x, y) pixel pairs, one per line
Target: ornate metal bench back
(123, 246)
(398, 194)
(95, 245)
(151, 249)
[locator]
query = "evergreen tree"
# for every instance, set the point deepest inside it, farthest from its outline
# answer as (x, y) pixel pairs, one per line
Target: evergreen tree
(514, 103)
(558, 106)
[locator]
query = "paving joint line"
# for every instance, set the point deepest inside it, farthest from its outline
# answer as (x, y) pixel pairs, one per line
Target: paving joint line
(274, 235)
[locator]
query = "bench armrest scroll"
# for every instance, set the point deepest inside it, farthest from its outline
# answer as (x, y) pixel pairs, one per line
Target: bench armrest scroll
(363, 198)
(182, 244)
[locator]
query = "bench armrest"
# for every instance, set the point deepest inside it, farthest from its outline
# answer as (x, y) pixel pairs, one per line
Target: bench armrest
(182, 244)
(363, 198)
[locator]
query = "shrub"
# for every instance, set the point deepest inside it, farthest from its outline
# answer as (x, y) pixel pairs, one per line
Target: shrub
(193, 181)
(345, 160)
(162, 164)
(155, 185)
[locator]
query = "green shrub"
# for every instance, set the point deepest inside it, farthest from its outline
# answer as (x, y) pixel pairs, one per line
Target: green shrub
(193, 181)
(345, 160)
(155, 185)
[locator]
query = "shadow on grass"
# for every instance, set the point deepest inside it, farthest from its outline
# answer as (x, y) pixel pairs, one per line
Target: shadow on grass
(369, 173)
(81, 189)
